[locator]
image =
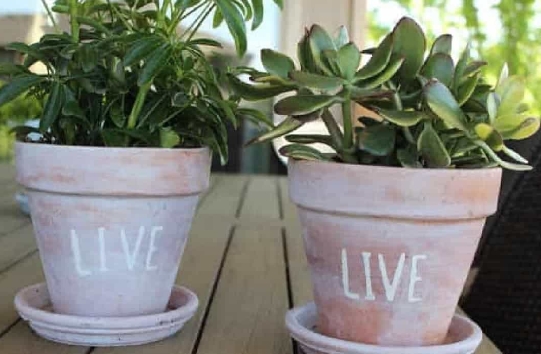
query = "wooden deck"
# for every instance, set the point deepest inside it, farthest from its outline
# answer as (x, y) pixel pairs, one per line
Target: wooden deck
(244, 259)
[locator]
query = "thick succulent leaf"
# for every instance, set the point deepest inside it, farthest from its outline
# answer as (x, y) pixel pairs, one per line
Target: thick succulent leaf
(524, 130)
(443, 44)
(258, 13)
(288, 125)
(379, 60)
(443, 104)
(310, 139)
(474, 68)
(378, 140)
(401, 118)
(394, 66)
(316, 81)
(330, 59)
(409, 157)
(492, 106)
(497, 159)
(235, 22)
(342, 37)
(466, 90)
(461, 67)
(304, 104)
(168, 138)
(17, 87)
(504, 74)
(511, 93)
(349, 59)
(489, 135)
(304, 54)
(319, 40)
(52, 108)
(432, 148)
(303, 152)
(277, 63)
(256, 92)
(361, 95)
(439, 66)
(514, 155)
(409, 43)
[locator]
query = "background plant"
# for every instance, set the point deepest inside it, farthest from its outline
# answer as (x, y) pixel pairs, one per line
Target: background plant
(132, 73)
(429, 110)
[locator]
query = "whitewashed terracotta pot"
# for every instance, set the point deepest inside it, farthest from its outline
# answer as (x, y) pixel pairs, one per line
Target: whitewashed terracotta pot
(389, 249)
(111, 223)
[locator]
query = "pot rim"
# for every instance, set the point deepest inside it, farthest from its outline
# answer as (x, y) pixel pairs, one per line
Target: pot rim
(106, 148)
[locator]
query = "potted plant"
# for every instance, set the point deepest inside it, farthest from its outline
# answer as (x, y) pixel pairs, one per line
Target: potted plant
(391, 219)
(132, 111)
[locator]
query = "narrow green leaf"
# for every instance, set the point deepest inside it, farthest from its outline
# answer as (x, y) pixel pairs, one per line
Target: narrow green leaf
(443, 44)
(497, 159)
(302, 152)
(461, 68)
(304, 54)
(439, 66)
(18, 86)
(93, 24)
(255, 116)
(155, 63)
(206, 42)
(310, 139)
(235, 22)
(378, 140)
(52, 107)
(410, 43)
(474, 67)
(316, 81)
(432, 148)
(349, 59)
(28, 50)
(141, 49)
(287, 126)
(492, 107)
(88, 57)
(304, 104)
(71, 108)
(256, 92)
(277, 63)
(12, 69)
(379, 60)
(514, 155)
(258, 13)
(443, 104)
(117, 114)
(401, 118)
(217, 20)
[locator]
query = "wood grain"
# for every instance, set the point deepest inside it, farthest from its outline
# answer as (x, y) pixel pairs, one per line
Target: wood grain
(247, 314)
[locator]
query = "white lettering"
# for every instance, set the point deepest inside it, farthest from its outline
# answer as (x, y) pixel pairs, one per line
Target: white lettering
(345, 277)
(101, 239)
(390, 288)
(76, 250)
(414, 278)
(131, 257)
(152, 247)
(368, 277)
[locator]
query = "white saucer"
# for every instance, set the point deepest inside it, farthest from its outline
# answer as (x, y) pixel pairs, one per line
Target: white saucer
(33, 305)
(464, 337)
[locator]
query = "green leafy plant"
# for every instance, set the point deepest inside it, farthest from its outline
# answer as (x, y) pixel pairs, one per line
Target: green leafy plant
(132, 73)
(424, 109)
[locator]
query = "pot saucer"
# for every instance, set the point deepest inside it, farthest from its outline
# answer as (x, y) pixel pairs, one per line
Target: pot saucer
(464, 337)
(33, 305)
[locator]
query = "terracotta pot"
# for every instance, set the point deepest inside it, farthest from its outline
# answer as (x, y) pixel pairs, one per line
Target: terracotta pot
(390, 248)
(111, 223)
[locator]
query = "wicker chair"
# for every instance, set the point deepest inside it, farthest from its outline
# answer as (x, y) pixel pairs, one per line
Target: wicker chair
(505, 298)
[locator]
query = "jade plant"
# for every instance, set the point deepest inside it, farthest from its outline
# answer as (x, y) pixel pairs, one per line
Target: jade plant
(132, 73)
(420, 107)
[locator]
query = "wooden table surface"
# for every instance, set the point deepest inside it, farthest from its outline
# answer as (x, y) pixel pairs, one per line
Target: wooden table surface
(244, 259)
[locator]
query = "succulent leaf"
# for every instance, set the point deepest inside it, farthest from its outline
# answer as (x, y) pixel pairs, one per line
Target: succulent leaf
(303, 152)
(439, 66)
(285, 127)
(443, 104)
(443, 44)
(349, 59)
(379, 60)
(432, 148)
(409, 43)
(276, 63)
(401, 118)
(304, 104)
(378, 140)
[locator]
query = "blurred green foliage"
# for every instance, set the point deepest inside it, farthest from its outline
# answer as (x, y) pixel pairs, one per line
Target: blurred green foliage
(16, 112)
(500, 31)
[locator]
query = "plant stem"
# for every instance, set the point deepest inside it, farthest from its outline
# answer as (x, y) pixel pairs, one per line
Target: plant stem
(73, 5)
(198, 22)
(334, 130)
(138, 105)
(348, 125)
(51, 16)
(399, 107)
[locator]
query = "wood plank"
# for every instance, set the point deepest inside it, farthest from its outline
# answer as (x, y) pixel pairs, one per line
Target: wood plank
(200, 264)
(7, 172)
(247, 314)
(16, 246)
(299, 273)
(11, 218)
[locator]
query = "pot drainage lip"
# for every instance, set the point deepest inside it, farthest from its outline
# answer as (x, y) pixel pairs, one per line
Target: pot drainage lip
(301, 321)
(33, 305)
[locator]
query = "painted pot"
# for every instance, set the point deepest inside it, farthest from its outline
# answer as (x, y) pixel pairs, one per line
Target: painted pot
(390, 248)
(111, 223)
